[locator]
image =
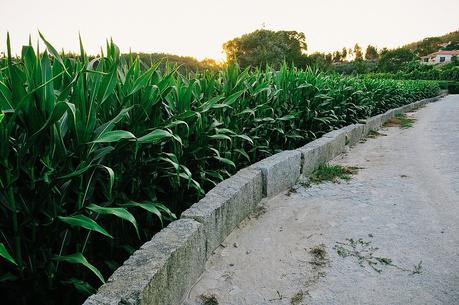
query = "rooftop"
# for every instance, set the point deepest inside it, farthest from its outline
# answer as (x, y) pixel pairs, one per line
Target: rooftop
(453, 52)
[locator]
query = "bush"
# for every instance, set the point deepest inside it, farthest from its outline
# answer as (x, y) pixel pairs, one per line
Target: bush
(96, 154)
(452, 87)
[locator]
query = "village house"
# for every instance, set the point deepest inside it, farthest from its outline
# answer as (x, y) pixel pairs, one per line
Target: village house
(440, 57)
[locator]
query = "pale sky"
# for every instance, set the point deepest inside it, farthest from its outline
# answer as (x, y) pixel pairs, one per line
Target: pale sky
(199, 27)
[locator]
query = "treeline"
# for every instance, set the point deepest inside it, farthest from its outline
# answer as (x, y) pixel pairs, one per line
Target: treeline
(263, 47)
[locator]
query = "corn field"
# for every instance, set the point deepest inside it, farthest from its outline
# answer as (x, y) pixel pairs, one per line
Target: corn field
(96, 155)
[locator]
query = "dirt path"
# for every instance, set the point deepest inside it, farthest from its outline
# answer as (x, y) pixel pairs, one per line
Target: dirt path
(404, 202)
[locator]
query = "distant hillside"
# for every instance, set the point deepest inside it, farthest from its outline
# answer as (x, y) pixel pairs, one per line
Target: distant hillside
(432, 44)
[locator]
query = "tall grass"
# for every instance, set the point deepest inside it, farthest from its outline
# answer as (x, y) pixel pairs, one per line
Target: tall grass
(97, 154)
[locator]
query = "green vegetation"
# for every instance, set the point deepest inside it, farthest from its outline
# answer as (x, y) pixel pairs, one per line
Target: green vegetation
(265, 47)
(97, 154)
(432, 44)
(401, 120)
(184, 63)
(333, 173)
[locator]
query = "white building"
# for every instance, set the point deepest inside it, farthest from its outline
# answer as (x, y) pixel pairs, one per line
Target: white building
(440, 57)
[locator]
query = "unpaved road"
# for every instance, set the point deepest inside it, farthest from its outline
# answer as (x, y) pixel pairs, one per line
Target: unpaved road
(404, 200)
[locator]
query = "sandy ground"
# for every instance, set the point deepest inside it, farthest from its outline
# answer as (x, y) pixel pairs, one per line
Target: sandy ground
(403, 205)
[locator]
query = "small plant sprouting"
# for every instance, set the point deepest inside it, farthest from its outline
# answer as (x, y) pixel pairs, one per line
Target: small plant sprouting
(417, 268)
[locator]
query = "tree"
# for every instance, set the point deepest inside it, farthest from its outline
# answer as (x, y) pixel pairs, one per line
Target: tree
(358, 55)
(264, 47)
(395, 60)
(428, 45)
(337, 56)
(452, 46)
(318, 60)
(371, 53)
(383, 51)
(344, 53)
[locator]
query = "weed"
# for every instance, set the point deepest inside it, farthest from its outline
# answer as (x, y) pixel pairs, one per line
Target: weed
(401, 120)
(297, 298)
(258, 212)
(209, 299)
(373, 134)
(319, 256)
(333, 173)
(365, 254)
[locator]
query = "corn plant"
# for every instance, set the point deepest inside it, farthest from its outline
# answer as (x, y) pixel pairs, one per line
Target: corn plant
(97, 154)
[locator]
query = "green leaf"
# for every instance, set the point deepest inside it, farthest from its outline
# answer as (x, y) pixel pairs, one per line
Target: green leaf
(107, 86)
(226, 161)
(84, 222)
(111, 176)
(6, 99)
(4, 253)
(152, 207)
(109, 125)
(156, 136)
(78, 258)
(146, 205)
(118, 212)
(142, 81)
(243, 153)
(233, 97)
(220, 137)
(53, 51)
(8, 277)
(114, 136)
(244, 137)
(83, 287)
(58, 111)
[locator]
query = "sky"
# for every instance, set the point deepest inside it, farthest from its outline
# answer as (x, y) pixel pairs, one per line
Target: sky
(199, 28)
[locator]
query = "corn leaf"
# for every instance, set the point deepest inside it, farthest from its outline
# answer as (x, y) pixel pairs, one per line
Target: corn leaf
(4, 253)
(78, 258)
(118, 212)
(84, 222)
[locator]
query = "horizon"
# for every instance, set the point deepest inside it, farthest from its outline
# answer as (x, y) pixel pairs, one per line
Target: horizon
(199, 29)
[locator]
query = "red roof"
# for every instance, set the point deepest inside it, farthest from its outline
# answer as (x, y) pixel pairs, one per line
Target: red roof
(453, 52)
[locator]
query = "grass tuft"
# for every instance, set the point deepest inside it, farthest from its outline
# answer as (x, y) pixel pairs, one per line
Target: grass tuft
(401, 120)
(333, 173)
